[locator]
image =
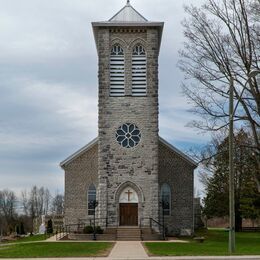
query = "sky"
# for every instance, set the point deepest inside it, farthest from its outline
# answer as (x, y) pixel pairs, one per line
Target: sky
(48, 84)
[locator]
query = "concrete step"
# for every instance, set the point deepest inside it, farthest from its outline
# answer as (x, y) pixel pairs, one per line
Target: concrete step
(129, 239)
(110, 230)
(128, 229)
(89, 237)
(137, 232)
(128, 233)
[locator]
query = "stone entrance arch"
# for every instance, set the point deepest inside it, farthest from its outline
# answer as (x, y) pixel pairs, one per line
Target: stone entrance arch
(129, 200)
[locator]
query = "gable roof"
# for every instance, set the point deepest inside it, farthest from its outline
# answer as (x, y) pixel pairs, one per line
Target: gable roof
(95, 141)
(127, 14)
(79, 152)
(179, 152)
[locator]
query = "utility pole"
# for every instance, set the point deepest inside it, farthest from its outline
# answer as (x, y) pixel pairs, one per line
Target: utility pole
(231, 242)
(231, 170)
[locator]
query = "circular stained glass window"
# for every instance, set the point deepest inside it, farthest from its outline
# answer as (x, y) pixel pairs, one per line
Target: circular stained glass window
(128, 135)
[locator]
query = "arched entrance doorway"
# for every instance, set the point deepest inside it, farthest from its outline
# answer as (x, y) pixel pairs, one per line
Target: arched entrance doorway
(128, 207)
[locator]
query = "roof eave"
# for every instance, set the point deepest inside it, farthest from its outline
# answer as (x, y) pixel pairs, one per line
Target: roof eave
(96, 25)
(78, 153)
(127, 24)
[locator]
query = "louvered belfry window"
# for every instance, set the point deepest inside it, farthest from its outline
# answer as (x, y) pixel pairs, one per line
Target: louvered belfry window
(117, 71)
(139, 71)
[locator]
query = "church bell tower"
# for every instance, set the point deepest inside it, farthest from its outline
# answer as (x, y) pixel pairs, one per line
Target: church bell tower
(128, 47)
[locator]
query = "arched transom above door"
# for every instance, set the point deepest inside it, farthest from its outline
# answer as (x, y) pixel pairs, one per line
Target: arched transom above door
(128, 195)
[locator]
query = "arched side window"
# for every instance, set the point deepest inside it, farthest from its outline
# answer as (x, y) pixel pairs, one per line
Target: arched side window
(139, 71)
(117, 71)
(91, 198)
(166, 198)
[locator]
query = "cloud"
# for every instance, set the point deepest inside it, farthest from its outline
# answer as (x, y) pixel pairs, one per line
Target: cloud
(49, 84)
(43, 123)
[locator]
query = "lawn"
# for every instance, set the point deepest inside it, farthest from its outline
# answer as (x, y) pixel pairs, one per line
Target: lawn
(216, 243)
(55, 249)
(28, 239)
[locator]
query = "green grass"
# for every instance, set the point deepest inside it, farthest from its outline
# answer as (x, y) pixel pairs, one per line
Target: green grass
(216, 243)
(55, 249)
(28, 239)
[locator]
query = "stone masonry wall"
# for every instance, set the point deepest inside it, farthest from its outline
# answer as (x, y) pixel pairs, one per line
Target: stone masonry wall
(79, 174)
(118, 165)
(178, 173)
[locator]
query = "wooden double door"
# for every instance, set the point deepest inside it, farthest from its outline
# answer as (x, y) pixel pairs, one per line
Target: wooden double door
(128, 214)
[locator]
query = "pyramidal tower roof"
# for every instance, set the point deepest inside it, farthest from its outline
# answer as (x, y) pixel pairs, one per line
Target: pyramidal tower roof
(128, 14)
(127, 17)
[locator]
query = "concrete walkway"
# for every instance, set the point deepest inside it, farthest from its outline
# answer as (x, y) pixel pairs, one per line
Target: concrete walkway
(51, 239)
(128, 250)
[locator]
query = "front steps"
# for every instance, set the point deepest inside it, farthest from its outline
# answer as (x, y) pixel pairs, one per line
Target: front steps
(128, 234)
(121, 233)
(137, 234)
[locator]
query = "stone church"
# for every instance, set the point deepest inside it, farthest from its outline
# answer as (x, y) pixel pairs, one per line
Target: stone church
(137, 177)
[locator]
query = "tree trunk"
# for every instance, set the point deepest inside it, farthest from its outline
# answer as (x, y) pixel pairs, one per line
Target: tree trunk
(238, 222)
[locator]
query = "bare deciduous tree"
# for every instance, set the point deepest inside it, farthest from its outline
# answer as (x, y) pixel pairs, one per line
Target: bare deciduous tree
(47, 200)
(36, 202)
(25, 202)
(7, 208)
(223, 42)
(58, 205)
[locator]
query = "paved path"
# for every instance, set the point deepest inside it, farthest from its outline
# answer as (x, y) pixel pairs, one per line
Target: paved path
(51, 239)
(128, 250)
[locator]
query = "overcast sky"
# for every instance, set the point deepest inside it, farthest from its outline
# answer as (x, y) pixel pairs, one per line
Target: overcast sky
(48, 83)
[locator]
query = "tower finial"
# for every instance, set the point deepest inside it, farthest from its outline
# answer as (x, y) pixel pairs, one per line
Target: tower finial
(128, 2)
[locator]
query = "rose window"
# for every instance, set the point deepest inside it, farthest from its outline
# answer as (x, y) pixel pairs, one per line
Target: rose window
(128, 135)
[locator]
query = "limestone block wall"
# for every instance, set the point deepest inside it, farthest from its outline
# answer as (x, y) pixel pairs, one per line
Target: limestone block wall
(178, 173)
(79, 175)
(118, 165)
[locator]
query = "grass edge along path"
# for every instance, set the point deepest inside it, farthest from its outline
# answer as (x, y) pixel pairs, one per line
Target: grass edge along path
(33, 238)
(215, 244)
(52, 249)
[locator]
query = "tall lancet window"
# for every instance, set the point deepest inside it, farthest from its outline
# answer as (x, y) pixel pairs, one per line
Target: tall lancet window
(139, 71)
(117, 71)
(91, 198)
(166, 198)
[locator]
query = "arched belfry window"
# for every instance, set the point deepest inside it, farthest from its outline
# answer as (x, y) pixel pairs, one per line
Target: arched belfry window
(91, 198)
(117, 71)
(139, 71)
(166, 198)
